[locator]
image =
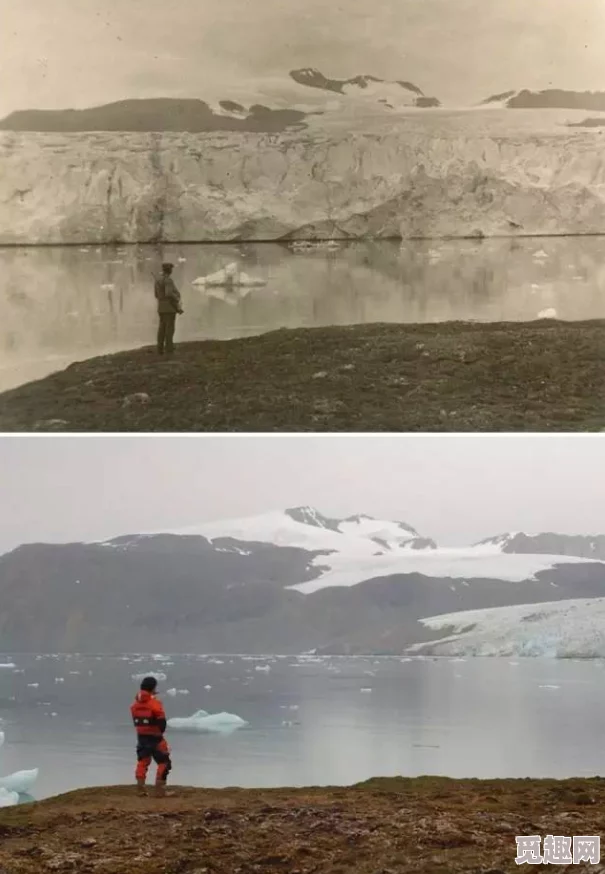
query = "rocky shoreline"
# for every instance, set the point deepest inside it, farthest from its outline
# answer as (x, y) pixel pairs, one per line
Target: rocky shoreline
(427, 825)
(449, 376)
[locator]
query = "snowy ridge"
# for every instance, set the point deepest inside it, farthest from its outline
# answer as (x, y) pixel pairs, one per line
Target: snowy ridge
(559, 629)
(359, 536)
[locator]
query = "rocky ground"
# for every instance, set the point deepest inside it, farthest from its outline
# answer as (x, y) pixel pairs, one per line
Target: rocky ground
(386, 826)
(536, 376)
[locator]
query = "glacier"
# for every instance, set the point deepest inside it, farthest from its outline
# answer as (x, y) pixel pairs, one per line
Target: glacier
(219, 723)
(559, 629)
(357, 173)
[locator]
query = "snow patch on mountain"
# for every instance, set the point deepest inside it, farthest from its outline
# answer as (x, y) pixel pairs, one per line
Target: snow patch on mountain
(479, 562)
(559, 629)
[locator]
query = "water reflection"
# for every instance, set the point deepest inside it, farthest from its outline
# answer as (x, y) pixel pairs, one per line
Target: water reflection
(62, 304)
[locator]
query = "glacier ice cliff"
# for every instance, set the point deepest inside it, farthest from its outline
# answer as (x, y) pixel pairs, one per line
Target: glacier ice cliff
(465, 174)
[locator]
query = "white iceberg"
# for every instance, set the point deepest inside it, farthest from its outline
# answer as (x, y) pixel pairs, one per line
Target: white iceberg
(221, 723)
(8, 799)
(19, 782)
(160, 677)
(549, 313)
(229, 276)
(7, 665)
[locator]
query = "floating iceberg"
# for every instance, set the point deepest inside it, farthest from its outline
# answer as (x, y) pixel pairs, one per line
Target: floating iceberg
(20, 782)
(221, 723)
(160, 677)
(8, 799)
(229, 276)
(549, 313)
(7, 665)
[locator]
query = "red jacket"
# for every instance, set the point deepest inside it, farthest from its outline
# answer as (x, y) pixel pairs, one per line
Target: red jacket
(148, 715)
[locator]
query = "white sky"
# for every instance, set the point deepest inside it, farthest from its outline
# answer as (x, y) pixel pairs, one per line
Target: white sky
(455, 488)
(60, 53)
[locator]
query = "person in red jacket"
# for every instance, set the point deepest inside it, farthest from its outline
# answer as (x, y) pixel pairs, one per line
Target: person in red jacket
(149, 721)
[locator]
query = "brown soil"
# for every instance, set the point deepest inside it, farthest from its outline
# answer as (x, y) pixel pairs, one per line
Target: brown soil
(386, 826)
(537, 376)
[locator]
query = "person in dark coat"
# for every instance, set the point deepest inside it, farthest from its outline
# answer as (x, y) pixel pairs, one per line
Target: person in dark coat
(169, 305)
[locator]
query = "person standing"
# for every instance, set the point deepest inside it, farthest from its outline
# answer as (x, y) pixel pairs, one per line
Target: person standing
(169, 306)
(149, 720)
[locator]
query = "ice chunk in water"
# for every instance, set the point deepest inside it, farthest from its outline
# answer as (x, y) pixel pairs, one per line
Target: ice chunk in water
(8, 799)
(19, 782)
(7, 665)
(1, 738)
(208, 722)
(174, 692)
(158, 675)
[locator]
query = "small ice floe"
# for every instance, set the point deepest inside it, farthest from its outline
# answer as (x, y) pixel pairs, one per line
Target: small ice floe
(181, 260)
(174, 692)
(7, 665)
(540, 255)
(514, 664)
(108, 286)
(215, 662)
(265, 668)
(59, 679)
(229, 277)
(114, 262)
(365, 690)
(550, 313)
(289, 724)
(549, 686)
(84, 250)
(33, 685)
(18, 671)
(207, 688)
(160, 677)
(219, 723)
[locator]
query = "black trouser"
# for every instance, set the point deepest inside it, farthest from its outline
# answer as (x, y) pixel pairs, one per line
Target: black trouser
(166, 332)
(155, 748)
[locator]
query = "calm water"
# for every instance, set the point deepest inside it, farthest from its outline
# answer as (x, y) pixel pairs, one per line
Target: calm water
(62, 304)
(309, 721)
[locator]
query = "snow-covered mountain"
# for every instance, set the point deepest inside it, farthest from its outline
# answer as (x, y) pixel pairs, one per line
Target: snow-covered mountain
(583, 546)
(552, 98)
(262, 108)
(283, 581)
(394, 95)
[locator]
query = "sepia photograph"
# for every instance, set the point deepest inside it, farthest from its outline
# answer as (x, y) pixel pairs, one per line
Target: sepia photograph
(360, 653)
(302, 436)
(236, 216)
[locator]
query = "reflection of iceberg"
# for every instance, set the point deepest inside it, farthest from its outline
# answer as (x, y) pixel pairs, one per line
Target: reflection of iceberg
(229, 295)
(314, 245)
(20, 782)
(230, 276)
(223, 723)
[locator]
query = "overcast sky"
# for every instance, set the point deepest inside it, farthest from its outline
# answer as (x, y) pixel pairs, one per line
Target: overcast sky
(456, 488)
(60, 53)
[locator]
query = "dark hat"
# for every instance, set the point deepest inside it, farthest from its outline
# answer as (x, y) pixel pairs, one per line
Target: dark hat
(167, 267)
(148, 684)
